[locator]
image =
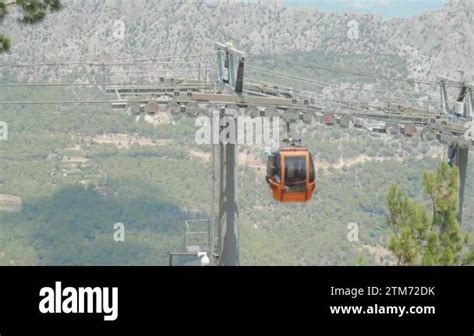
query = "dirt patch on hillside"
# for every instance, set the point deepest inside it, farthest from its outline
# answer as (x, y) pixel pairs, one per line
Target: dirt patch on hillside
(194, 154)
(10, 203)
(347, 163)
(124, 141)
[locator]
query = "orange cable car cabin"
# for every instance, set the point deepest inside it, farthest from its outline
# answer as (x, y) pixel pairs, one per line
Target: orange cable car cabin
(291, 175)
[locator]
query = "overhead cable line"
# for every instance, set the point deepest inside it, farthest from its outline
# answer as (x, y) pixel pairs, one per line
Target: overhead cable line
(101, 63)
(351, 73)
(318, 84)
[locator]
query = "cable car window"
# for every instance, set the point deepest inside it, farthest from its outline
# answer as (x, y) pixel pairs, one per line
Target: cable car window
(271, 165)
(295, 173)
(274, 167)
(312, 174)
(277, 172)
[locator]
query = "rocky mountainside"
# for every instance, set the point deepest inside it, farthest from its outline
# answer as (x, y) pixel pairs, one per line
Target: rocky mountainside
(437, 43)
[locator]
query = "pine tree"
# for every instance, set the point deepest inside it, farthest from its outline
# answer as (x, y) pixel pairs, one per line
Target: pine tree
(423, 238)
(34, 11)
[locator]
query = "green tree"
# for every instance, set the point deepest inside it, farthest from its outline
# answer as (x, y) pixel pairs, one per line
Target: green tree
(429, 237)
(34, 11)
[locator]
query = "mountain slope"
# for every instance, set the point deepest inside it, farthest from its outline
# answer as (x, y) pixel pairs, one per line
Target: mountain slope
(438, 43)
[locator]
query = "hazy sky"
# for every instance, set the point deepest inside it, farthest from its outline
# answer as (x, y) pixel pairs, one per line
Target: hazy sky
(403, 8)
